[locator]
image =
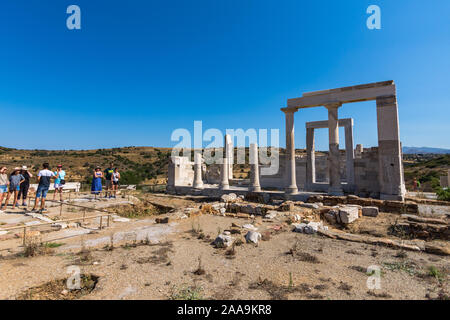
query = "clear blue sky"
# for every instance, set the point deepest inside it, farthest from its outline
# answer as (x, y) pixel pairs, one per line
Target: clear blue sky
(137, 70)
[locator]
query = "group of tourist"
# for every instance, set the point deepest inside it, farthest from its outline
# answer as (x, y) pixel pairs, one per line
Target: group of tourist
(111, 176)
(17, 184)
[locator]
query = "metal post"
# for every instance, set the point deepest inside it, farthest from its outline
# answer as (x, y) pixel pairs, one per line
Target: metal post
(108, 222)
(60, 209)
(101, 222)
(24, 235)
(84, 215)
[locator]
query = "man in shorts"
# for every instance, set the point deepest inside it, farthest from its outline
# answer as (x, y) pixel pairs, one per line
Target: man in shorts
(44, 177)
(109, 173)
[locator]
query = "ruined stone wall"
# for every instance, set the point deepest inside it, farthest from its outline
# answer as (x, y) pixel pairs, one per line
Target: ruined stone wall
(322, 173)
(180, 172)
(366, 174)
(278, 181)
(212, 174)
(445, 180)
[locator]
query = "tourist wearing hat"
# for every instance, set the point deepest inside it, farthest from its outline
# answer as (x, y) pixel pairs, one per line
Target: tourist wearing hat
(60, 181)
(15, 179)
(96, 186)
(24, 186)
(4, 182)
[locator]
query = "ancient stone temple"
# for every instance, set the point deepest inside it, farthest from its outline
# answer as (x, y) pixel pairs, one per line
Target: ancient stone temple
(370, 172)
(390, 168)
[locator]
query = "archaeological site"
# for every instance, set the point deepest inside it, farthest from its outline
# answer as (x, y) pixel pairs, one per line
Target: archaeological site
(303, 224)
(219, 159)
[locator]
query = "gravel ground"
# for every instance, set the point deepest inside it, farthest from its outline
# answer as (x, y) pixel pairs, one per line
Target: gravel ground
(320, 268)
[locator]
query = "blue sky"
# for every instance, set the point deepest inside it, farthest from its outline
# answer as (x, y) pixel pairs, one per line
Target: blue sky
(137, 70)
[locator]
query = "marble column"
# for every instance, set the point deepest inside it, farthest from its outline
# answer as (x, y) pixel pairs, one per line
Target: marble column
(254, 169)
(198, 182)
(358, 151)
(392, 184)
(229, 152)
(335, 187)
(310, 159)
(291, 182)
(350, 155)
(224, 174)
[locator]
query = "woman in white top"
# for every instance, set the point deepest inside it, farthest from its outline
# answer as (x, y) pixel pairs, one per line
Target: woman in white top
(4, 182)
(116, 178)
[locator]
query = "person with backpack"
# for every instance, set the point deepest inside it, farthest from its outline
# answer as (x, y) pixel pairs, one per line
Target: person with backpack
(23, 192)
(108, 175)
(60, 181)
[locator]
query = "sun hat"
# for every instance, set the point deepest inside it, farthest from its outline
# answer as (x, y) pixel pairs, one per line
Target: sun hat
(59, 165)
(17, 169)
(24, 168)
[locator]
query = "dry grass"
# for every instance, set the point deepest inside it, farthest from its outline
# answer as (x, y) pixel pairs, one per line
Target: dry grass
(57, 290)
(199, 271)
(140, 210)
(159, 256)
(279, 292)
(34, 247)
(298, 254)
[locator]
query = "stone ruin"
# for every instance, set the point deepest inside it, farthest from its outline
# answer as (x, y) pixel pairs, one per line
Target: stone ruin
(376, 172)
(445, 180)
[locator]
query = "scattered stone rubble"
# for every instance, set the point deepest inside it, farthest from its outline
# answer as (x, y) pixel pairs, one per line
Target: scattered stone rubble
(253, 236)
(382, 205)
(309, 228)
(423, 228)
(309, 218)
(370, 211)
(223, 241)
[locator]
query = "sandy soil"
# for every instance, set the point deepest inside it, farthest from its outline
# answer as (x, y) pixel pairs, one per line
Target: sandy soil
(173, 262)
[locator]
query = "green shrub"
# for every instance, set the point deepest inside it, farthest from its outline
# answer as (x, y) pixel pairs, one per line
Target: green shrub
(443, 194)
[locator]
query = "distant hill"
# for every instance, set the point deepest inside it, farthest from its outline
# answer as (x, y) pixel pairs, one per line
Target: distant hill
(417, 150)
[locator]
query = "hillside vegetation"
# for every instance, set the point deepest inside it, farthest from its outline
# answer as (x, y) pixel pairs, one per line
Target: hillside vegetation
(427, 171)
(136, 164)
(149, 165)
